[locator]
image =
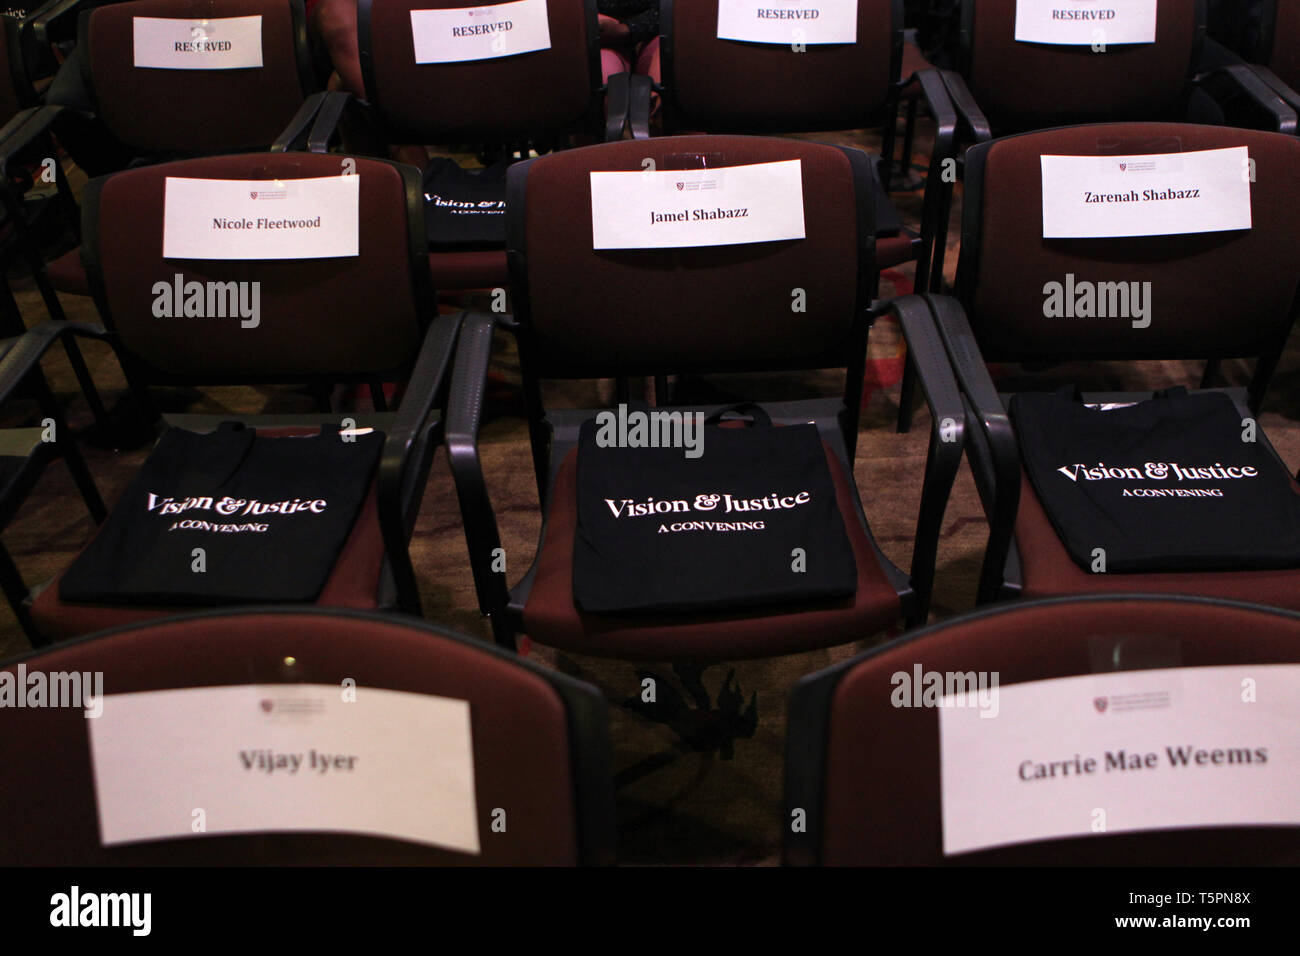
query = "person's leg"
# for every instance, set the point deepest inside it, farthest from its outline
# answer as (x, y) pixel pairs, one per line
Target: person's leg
(613, 61)
(647, 63)
(335, 22)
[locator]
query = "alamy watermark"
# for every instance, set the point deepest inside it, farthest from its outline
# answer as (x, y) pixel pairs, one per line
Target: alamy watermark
(81, 689)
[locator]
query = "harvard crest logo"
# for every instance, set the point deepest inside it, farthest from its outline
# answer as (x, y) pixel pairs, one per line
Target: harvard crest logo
(1100, 704)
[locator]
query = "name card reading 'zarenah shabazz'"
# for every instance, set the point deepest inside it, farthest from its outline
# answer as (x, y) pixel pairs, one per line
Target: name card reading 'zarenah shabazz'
(480, 33)
(261, 218)
(1092, 23)
(663, 209)
(1178, 747)
(298, 757)
(226, 43)
(788, 21)
(1160, 194)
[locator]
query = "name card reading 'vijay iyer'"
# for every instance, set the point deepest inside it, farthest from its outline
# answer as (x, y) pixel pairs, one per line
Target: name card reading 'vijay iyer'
(1158, 194)
(227, 43)
(298, 757)
(261, 218)
(660, 209)
(480, 33)
(1117, 752)
(788, 21)
(1095, 23)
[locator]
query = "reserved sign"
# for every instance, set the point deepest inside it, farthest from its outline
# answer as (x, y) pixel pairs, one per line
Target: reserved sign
(480, 33)
(298, 757)
(1114, 753)
(261, 218)
(1158, 194)
(1086, 22)
(788, 21)
(228, 43)
(697, 207)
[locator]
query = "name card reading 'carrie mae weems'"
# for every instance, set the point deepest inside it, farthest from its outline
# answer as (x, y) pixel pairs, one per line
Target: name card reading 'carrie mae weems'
(1093, 23)
(1160, 194)
(788, 21)
(227, 43)
(261, 218)
(660, 209)
(480, 33)
(298, 757)
(1113, 753)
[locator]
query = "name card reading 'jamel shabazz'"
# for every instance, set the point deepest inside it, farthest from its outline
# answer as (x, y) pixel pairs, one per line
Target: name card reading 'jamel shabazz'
(788, 21)
(274, 757)
(227, 43)
(1113, 753)
(261, 218)
(1160, 194)
(663, 209)
(1094, 23)
(480, 33)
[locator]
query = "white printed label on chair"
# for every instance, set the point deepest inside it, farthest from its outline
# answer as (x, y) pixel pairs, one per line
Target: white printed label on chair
(788, 22)
(227, 43)
(697, 207)
(261, 218)
(277, 757)
(1091, 23)
(1160, 194)
(480, 33)
(1119, 752)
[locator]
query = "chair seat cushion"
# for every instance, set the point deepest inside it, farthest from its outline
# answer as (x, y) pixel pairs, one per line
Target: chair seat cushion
(353, 583)
(551, 617)
(67, 274)
(1048, 570)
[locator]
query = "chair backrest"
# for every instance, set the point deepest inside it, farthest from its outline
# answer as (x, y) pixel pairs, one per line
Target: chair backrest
(529, 96)
(1023, 86)
(1006, 265)
(867, 772)
(191, 111)
(728, 86)
(1282, 53)
(588, 312)
(540, 739)
(339, 318)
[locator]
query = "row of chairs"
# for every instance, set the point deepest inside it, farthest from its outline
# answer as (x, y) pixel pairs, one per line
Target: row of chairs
(862, 776)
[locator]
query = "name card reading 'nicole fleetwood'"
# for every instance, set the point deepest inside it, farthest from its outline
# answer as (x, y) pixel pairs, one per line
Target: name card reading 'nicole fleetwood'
(480, 33)
(1160, 194)
(227, 43)
(1086, 22)
(661, 209)
(298, 757)
(261, 218)
(1118, 752)
(776, 21)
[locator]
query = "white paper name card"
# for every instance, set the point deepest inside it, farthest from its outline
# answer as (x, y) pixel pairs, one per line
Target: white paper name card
(1114, 753)
(1086, 22)
(1161, 194)
(480, 33)
(278, 757)
(788, 21)
(228, 43)
(698, 207)
(261, 218)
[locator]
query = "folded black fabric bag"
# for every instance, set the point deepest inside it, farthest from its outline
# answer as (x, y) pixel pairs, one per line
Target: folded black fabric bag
(659, 532)
(270, 515)
(1168, 484)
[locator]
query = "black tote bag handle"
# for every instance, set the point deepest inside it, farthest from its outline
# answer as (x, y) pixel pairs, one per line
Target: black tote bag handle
(758, 415)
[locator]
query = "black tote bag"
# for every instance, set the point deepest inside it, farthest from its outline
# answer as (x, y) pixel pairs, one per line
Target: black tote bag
(270, 515)
(662, 533)
(465, 207)
(1166, 484)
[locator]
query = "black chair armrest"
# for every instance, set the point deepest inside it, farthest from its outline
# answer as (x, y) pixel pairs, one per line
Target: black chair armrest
(407, 452)
(998, 473)
(943, 157)
(639, 105)
(293, 137)
(55, 21)
(973, 118)
(618, 92)
(24, 129)
(464, 416)
(328, 119)
(18, 356)
(926, 351)
(1241, 81)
